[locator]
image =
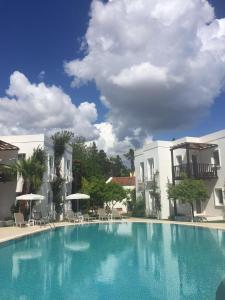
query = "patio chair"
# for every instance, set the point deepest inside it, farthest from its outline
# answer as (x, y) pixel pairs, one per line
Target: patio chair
(19, 219)
(88, 218)
(116, 214)
(102, 215)
(38, 219)
(70, 216)
(79, 216)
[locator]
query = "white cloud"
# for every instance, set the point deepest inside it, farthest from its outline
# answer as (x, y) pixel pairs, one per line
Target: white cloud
(108, 141)
(30, 107)
(159, 64)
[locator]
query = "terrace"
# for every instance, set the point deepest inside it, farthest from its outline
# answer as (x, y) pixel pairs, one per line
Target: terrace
(192, 168)
(5, 157)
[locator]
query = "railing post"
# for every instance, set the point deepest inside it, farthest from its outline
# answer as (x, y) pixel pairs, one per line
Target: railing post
(173, 180)
(172, 164)
(188, 163)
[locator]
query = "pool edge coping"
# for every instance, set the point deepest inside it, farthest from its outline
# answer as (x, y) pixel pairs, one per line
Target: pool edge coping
(214, 226)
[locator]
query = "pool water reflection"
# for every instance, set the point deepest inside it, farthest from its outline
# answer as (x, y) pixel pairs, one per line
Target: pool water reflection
(114, 261)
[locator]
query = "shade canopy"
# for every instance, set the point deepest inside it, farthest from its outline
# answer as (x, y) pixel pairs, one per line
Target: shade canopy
(30, 197)
(77, 196)
(193, 146)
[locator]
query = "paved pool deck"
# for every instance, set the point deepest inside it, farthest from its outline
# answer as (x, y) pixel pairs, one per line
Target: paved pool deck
(10, 233)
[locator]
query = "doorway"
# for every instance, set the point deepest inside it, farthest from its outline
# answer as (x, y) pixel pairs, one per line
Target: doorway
(195, 166)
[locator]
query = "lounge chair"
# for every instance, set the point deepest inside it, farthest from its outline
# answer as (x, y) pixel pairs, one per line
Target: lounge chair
(88, 218)
(70, 216)
(102, 215)
(79, 216)
(38, 219)
(19, 219)
(116, 214)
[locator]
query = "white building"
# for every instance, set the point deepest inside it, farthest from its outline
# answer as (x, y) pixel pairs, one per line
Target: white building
(128, 183)
(200, 158)
(26, 145)
(8, 155)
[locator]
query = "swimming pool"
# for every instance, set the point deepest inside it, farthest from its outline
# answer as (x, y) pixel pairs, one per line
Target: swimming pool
(114, 261)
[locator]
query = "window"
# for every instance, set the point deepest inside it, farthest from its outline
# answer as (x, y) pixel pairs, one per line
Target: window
(179, 160)
(150, 168)
(216, 157)
(21, 156)
(68, 164)
(219, 196)
(142, 171)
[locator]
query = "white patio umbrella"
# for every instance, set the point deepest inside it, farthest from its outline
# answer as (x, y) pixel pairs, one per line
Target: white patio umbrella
(77, 197)
(30, 197)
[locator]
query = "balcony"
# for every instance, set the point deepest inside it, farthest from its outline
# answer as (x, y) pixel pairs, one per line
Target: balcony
(195, 171)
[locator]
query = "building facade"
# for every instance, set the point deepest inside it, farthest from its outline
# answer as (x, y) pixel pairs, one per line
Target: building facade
(128, 184)
(197, 158)
(26, 145)
(8, 156)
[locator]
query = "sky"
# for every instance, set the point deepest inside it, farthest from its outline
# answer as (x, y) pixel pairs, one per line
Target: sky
(117, 72)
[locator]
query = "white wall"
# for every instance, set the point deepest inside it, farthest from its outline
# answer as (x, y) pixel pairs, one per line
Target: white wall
(160, 151)
(7, 189)
(26, 145)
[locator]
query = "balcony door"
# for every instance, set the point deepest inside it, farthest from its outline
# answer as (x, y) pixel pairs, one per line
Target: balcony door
(195, 165)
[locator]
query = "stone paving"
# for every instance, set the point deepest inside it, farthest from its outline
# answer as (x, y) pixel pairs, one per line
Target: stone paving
(9, 233)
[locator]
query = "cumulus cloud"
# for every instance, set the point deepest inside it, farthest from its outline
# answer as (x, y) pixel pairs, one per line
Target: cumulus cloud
(159, 64)
(30, 107)
(109, 142)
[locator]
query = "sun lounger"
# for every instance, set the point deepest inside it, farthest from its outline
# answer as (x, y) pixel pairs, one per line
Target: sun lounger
(38, 219)
(71, 217)
(79, 216)
(19, 219)
(88, 218)
(116, 214)
(102, 215)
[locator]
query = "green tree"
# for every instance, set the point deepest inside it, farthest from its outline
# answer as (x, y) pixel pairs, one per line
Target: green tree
(60, 139)
(96, 189)
(104, 164)
(188, 191)
(114, 193)
(79, 162)
(117, 167)
(130, 157)
(139, 207)
(90, 162)
(32, 171)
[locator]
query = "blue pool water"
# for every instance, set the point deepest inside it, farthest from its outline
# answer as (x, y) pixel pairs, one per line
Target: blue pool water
(114, 261)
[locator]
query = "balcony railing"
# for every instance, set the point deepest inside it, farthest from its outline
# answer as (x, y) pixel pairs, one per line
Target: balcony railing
(196, 171)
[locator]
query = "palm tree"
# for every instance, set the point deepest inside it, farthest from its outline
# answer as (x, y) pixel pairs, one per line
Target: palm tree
(130, 156)
(32, 171)
(60, 139)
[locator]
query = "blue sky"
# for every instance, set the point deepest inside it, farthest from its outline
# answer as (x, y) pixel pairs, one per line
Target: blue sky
(42, 35)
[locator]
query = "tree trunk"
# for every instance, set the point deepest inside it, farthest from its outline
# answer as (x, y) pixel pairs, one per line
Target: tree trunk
(192, 211)
(175, 207)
